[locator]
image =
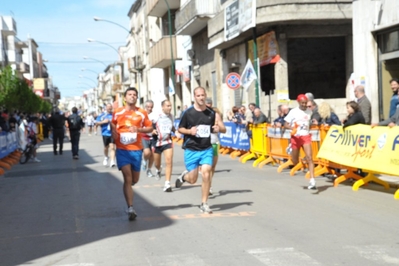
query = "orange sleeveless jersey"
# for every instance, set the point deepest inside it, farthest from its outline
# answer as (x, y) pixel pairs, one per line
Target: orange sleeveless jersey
(123, 120)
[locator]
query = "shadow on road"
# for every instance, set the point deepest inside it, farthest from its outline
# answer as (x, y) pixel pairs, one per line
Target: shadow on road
(319, 189)
(227, 206)
(226, 192)
(60, 203)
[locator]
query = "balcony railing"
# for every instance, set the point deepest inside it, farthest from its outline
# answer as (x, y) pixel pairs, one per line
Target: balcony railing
(158, 8)
(160, 54)
(194, 15)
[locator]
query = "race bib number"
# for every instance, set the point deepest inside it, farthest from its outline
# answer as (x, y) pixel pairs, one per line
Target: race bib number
(203, 131)
(128, 138)
(165, 129)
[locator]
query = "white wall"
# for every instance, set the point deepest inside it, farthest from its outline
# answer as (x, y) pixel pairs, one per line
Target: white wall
(368, 16)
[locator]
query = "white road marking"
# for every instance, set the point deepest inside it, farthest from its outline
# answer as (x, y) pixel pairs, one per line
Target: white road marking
(282, 257)
(176, 260)
(377, 253)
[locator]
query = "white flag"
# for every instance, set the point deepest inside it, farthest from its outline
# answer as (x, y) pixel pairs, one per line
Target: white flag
(248, 75)
(171, 87)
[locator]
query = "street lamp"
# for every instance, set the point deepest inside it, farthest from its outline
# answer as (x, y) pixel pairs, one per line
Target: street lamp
(89, 58)
(86, 84)
(109, 21)
(120, 56)
(85, 69)
(92, 80)
(92, 40)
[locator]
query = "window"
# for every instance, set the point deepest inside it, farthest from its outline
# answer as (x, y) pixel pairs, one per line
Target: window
(389, 41)
(317, 65)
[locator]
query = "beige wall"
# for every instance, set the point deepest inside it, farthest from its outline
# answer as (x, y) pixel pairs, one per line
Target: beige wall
(368, 17)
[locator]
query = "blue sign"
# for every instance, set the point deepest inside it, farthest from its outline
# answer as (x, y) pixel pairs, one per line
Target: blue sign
(236, 137)
(8, 143)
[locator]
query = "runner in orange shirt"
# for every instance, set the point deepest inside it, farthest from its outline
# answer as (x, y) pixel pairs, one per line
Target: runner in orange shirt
(127, 123)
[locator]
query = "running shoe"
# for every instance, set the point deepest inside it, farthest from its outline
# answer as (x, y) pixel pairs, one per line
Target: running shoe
(112, 164)
(167, 187)
(105, 162)
(179, 181)
(36, 160)
(149, 173)
(132, 213)
(210, 192)
(312, 184)
(204, 207)
(144, 165)
(158, 175)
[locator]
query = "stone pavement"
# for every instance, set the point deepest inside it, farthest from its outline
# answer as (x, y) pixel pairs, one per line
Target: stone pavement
(72, 212)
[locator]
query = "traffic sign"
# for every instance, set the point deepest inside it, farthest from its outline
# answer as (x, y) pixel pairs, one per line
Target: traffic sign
(233, 80)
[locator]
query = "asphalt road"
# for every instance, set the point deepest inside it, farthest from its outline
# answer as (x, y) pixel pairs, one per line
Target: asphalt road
(72, 212)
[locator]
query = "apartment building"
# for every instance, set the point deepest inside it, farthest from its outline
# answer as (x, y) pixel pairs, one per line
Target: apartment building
(303, 46)
(12, 48)
(169, 65)
(25, 59)
(312, 40)
(376, 50)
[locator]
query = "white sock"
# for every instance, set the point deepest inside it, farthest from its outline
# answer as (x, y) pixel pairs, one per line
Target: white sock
(312, 181)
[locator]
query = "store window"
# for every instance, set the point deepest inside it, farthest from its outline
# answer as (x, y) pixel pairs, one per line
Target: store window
(317, 65)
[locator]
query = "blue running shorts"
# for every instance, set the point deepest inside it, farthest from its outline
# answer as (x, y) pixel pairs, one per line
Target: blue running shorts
(124, 157)
(193, 159)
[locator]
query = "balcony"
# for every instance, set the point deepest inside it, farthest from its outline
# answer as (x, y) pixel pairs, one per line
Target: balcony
(158, 8)
(194, 16)
(23, 67)
(159, 54)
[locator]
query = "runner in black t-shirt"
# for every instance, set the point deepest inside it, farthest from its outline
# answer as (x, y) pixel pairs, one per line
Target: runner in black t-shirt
(197, 124)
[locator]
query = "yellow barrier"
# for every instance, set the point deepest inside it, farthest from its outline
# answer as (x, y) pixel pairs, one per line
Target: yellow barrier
(258, 145)
(360, 147)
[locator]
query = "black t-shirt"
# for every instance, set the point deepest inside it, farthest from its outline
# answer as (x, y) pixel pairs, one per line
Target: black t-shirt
(203, 121)
(75, 122)
(57, 121)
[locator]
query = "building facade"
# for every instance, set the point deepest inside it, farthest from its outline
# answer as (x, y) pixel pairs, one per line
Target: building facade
(26, 60)
(376, 50)
(302, 46)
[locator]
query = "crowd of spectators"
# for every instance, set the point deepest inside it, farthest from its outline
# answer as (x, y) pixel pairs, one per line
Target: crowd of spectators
(358, 111)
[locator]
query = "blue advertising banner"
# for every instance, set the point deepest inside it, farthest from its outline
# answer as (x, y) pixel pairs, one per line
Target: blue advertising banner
(8, 143)
(236, 137)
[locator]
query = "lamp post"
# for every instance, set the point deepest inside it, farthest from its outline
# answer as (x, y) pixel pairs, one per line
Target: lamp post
(139, 68)
(92, 80)
(171, 55)
(92, 40)
(89, 58)
(86, 84)
(85, 69)
(109, 21)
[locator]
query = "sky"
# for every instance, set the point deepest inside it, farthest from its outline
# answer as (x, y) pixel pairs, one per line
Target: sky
(61, 29)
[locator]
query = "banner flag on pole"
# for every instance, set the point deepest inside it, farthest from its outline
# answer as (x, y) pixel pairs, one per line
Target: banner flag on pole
(171, 87)
(248, 75)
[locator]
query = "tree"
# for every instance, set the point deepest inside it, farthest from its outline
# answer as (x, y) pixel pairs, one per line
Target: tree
(15, 94)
